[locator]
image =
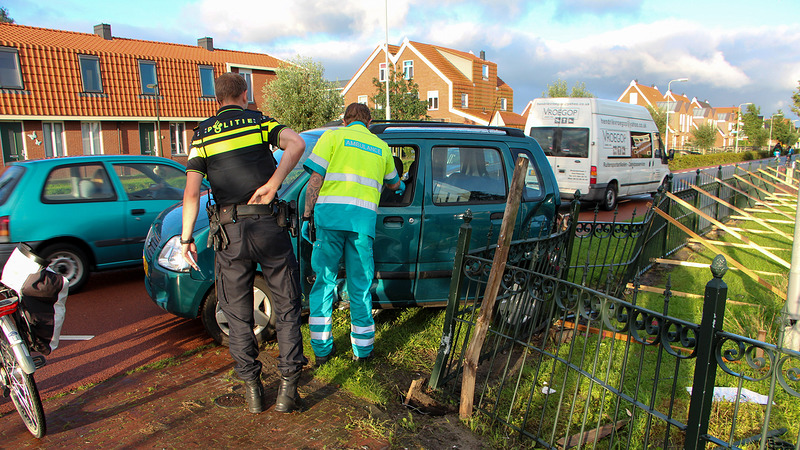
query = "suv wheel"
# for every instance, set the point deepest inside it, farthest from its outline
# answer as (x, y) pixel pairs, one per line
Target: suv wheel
(216, 324)
(69, 261)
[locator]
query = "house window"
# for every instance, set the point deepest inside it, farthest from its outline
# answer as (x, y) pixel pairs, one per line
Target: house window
(362, 99)
(247, 74)
(382, 72)
(408, 70)
(177, 131)
(90, 135)
(10, 76)
(464, 100)
(503, 104)
(90, 73)
(148, 77)
(433, 100)
(485, 71)
(634, 98)
(207, 81)
(53, 139)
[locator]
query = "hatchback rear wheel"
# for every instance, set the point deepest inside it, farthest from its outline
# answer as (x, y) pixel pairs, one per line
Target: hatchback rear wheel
(69, 261)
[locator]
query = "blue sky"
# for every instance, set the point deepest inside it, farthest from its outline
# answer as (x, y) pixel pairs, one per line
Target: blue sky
(732, 51)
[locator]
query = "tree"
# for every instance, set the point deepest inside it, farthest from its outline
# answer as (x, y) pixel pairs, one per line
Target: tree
(300, 97)
(704, 136)
(796, 100)
(559, 89)
(660, 118)
(404, 97)
(4, 15)
(782, 129)
(753, 127)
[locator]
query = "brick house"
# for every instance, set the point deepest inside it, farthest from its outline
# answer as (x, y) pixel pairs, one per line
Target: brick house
(458, 86)
(64, 93)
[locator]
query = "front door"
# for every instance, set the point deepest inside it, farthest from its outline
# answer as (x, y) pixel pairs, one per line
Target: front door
(11, 141)
(147, 138)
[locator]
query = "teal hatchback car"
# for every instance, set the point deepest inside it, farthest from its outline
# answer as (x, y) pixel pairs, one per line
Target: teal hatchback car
(85, 213)
(448, 169)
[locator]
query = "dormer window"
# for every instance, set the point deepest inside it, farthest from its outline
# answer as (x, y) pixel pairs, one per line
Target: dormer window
(408, 70)
(485, 72)
(10, 76)
(90, 73)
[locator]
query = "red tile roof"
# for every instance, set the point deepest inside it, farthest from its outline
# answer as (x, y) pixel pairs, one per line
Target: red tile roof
(52, 83)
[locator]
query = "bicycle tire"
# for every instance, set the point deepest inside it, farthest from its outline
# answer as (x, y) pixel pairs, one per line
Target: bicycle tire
(23, 391)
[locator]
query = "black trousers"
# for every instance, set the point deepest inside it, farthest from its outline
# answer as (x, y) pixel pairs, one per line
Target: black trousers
(259, 240)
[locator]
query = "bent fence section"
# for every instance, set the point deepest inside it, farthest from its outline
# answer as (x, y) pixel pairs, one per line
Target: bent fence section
(568, 363)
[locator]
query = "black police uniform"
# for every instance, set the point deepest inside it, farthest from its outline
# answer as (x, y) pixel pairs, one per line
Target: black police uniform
(230, 149)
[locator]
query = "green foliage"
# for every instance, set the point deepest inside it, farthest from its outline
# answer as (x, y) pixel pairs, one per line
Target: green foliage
(559, 89)
(796, 100)
(704, 136)
(753, 127)
(404, 97)
(782, 130)
(681, 162)
(4, 17)
(300, 97)
(659, 117)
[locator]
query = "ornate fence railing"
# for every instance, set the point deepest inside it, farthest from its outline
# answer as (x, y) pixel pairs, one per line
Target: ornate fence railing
(568, 363)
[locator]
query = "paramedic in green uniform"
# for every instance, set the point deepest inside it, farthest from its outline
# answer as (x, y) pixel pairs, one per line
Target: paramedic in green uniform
(348, 168)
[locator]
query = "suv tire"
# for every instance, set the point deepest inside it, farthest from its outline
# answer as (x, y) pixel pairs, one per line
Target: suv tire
(216, 324)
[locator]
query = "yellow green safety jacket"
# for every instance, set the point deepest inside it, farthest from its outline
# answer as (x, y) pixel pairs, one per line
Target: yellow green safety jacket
(354, 164)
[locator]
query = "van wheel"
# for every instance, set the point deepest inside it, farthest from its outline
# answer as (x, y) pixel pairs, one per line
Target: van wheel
(69, 261)
(609, 197)
(216, 324)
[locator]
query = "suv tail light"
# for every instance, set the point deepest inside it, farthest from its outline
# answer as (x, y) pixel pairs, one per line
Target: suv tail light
(5, 235)
(593, 175)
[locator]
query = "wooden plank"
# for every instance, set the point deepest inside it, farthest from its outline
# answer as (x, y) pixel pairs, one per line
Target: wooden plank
(736, 244)
(745, 214)
(755, 199)
(660, 290)
(750, 217)
(735, 234)
(492, 288)
(713, 248)
(782, 184)
(774, 185)
(676, 262)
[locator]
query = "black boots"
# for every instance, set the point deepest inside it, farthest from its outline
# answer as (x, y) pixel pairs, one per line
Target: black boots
(288, 399)
(254, 395)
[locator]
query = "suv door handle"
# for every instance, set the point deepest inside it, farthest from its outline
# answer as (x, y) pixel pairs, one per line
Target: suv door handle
(393, 221)
(496, 215)
(137, 212)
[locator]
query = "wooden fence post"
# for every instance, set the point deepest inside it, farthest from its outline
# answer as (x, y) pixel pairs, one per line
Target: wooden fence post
(492, 287)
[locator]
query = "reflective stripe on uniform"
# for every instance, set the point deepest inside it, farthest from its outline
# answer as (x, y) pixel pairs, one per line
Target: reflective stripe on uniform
(341, 200)
(353, 178)
(321, 335)
(362, 342)
(320, 320)
(362, 330)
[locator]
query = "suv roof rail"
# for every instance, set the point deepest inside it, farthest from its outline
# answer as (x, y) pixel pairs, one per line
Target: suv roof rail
(379, 126)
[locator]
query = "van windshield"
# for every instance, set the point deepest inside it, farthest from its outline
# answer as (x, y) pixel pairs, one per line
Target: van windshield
(569, 142)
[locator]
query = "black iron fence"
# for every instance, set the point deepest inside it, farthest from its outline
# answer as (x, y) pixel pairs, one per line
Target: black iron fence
(568, 363)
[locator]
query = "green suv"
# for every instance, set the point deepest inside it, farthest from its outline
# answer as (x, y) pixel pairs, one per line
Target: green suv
(448, 169)
(85, 213)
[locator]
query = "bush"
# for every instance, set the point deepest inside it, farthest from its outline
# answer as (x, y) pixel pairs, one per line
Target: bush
(682, 162)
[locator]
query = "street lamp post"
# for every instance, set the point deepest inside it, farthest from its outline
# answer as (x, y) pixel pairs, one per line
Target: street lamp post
(158, 118)
(738, 114)
(388, 109)
(666, 134)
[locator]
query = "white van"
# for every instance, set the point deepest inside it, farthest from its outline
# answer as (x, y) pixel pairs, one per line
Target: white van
(603, 148)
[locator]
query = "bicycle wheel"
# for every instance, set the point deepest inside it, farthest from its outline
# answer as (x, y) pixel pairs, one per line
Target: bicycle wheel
(23, 390)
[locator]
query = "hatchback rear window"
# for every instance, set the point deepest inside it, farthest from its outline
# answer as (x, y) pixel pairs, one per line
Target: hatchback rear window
(8, 181)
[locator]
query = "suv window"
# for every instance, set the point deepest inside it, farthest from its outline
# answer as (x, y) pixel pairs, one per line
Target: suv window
(78, 183)
(151, 181)
(8, 181)
(467, 175)
(533, 185)
(405, 161)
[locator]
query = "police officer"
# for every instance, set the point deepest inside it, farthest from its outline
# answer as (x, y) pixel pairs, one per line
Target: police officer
(231, 150)
(347, 167)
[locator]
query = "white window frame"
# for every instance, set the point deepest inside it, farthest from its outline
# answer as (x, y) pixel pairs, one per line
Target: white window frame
(10, 80)
(146, 90)
(91, 133)
(363, 99)
(485, 71)
(408, 69)
(177, 135)
(247, 74)
(503, 104)
(382, 72)
(433, 100)
(53, 138)
(464, 100)
(92, 63)
(200, 69)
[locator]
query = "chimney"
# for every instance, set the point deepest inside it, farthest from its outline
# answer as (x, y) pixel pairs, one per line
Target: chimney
(483, 55)
(103, 30)
(207, 43)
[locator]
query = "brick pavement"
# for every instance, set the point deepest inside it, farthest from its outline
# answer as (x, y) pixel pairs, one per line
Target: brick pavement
(175, 407)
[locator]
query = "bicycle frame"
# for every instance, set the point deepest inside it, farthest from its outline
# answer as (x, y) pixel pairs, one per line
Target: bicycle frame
(8, 307)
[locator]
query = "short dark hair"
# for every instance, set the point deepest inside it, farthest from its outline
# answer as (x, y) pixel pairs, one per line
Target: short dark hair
(229, 86)
(357, 112)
